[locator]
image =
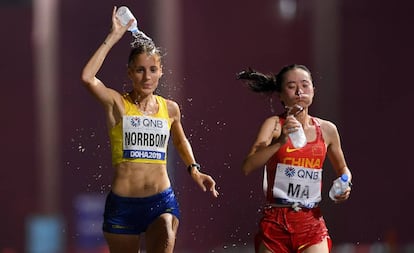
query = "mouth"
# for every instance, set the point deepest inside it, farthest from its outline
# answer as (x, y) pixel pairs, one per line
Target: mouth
(147, 85)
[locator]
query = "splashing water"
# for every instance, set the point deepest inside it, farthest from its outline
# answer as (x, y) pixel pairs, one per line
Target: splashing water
(141, 39)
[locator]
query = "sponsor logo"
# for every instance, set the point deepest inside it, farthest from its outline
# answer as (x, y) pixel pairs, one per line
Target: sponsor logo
(290, 150)
(290, 172)
(135, 121)
(146, 122)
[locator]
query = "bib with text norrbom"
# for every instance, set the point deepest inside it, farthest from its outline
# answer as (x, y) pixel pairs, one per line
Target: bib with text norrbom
(145, 137)
(295, 184)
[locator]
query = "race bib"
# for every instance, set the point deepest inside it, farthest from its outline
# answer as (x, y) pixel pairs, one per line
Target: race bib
(295, 184)
(145, 137)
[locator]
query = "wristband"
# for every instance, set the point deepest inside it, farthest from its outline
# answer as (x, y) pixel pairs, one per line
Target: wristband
(193, 165)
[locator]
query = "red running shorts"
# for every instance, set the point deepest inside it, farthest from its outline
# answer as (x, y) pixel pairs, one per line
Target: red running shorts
(284, 230)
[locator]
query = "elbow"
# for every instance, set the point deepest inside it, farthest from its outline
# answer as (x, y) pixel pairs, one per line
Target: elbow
(246, 169)
(246, 172)
(86, 79)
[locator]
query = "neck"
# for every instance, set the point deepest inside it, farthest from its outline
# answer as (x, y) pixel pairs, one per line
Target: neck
(146, 104)
(140, 99)
(304, 118)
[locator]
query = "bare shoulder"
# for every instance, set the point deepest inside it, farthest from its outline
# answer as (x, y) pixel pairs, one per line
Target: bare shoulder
(270, 127)
(171, 104)
(272, 120)
(329, 131)
(173, 108)
(326, 125)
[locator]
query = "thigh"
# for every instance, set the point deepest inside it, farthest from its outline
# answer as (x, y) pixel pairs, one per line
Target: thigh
(273, 234)
(262, 249)
(321, 247)
(120, 243)
(160, 235)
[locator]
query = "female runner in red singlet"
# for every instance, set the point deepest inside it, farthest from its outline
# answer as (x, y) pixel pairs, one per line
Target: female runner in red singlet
(292, 221)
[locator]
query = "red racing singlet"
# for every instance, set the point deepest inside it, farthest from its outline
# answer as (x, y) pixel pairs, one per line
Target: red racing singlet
(295, 175)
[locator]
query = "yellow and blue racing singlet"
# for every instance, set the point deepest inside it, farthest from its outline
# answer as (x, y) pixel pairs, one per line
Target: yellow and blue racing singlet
(140, 138)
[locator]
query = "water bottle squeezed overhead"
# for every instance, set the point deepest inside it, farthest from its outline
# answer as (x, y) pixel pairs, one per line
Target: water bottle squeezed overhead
(125, 15)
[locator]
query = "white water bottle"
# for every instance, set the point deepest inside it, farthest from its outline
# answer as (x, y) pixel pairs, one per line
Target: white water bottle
(298, 138)
(339, 186)
(125, 15)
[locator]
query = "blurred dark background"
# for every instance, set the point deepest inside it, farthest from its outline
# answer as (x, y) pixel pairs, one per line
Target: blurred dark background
(360, 54)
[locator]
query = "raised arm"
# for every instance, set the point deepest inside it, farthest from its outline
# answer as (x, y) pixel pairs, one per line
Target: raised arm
(109, 98)
(268, 142)
(89, 72)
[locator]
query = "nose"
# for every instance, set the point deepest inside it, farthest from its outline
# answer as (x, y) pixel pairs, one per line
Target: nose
(147, 75)
(299, 91)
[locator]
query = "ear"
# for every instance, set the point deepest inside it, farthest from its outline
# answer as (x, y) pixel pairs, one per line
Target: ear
(161, 71)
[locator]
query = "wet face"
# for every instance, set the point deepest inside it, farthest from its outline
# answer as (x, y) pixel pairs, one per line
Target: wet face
(297, 88)
(145, 72)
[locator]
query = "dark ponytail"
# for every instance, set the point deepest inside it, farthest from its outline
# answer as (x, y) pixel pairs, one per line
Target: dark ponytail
(267, 83)
(258, 82)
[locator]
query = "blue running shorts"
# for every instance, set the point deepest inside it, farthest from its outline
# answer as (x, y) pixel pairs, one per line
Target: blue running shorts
(128, 215)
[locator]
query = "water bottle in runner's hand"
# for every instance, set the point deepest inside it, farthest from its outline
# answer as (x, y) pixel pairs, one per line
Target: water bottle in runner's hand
(339, 186)
(125, 15)
(298, 137)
